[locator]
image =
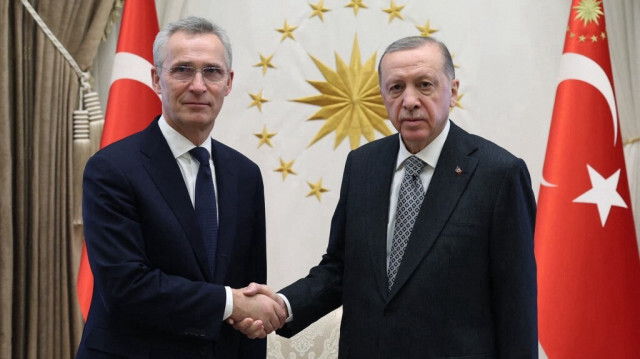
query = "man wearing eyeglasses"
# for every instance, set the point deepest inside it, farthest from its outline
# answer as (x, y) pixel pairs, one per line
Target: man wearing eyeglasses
(174, 220)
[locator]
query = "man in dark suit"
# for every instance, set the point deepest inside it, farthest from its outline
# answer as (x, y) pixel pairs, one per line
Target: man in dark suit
(168, 237)
(461, 281)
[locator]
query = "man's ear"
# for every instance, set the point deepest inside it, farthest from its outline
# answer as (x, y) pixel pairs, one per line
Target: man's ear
(455, 84)
(155, 80)
(229, 83)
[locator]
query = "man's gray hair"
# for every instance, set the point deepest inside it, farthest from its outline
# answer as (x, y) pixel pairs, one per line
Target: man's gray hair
(191, 25)
(414, 42)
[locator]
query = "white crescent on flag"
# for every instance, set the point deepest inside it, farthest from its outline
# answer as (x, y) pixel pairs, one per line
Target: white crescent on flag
(579, 67)
(133, 67)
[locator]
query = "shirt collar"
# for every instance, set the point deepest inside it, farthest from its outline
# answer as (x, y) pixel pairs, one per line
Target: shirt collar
(429, 154)
(179, 144)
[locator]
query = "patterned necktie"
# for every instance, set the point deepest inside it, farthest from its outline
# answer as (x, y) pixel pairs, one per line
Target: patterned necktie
(409, 201)
(205, 205)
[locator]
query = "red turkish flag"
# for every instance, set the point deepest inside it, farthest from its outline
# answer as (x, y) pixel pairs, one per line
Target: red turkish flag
(586, 250)
(132, 103)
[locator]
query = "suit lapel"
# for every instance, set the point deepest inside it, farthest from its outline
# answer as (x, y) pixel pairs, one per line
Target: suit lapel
(165, 173)
(227, 186)
(382, 168)
(441, 198)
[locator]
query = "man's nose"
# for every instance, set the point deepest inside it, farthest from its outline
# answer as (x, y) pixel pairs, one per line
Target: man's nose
(410, 99)
(197, 82)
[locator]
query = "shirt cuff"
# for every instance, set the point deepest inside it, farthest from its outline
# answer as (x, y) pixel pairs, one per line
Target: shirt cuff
(286, 301)
(228, 307)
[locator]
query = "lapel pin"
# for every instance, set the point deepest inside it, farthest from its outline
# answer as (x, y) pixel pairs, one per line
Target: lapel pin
(458, 170)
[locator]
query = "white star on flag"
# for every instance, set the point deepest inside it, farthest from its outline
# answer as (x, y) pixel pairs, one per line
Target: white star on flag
(604, 193)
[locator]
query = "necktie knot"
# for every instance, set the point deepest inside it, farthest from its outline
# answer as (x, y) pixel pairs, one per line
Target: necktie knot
(413, 166)
(201, 154)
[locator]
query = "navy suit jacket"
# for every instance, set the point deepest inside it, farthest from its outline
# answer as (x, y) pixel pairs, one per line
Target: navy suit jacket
(466, 287)
(154, 295)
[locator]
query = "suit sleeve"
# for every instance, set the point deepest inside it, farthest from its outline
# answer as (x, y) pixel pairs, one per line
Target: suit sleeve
(257, 348)
(513, 268)
(320, 291)
(127, 285)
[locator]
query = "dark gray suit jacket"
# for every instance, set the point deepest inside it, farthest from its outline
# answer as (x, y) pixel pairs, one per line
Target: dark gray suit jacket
(154, 294)
(466, 287)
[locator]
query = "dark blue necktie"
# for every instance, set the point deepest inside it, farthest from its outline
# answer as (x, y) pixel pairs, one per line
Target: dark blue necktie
(205, 204)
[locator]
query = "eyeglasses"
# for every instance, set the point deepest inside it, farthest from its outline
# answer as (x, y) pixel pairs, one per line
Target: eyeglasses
(186, 73)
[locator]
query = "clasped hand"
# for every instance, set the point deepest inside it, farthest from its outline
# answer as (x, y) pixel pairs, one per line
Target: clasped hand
(257, 311)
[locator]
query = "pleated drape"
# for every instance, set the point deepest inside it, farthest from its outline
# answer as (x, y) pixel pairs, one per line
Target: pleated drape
(625, 58)
(39, 243)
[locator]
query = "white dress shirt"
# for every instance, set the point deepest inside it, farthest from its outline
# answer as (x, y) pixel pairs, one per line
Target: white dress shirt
(428, 155)
(180, 147)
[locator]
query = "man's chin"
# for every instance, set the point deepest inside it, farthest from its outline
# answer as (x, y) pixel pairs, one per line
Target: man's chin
(200, 117)
(415, 140)
(416, 136)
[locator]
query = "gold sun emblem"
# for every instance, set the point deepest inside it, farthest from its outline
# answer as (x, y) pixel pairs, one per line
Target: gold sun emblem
(350, 100)
(588, 11)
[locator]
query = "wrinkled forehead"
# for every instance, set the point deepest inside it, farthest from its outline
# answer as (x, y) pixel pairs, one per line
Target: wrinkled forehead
(422, 60)
(190, 48)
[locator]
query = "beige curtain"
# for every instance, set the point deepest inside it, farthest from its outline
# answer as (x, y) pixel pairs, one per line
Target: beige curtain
(623, 24)
(39, 253)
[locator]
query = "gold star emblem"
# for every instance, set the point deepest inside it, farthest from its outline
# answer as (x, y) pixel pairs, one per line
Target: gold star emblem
(603, 35)
(350, 100)
(318, 10)
(287, 31)
(265, 62)
(258, 100)
(572, 35)
(356, 5)
(394, 11)
(265, 137)
(594, 38)
(316, 189)
(285, 168)
(581, 38)
(426, 30)
(588, 11)
(458, 102)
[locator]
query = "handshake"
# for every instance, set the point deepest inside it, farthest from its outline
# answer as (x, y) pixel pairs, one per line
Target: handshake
(257, 311)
